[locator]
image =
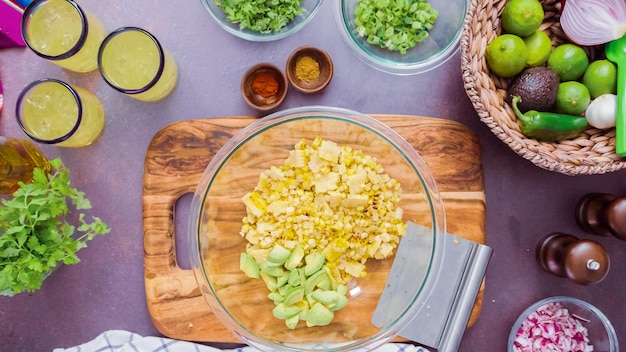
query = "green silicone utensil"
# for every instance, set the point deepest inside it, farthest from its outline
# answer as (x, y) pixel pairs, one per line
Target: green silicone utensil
(616, 52)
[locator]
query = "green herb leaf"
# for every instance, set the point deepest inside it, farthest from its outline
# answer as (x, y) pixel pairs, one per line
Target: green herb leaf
(34, 234)
(264, 16)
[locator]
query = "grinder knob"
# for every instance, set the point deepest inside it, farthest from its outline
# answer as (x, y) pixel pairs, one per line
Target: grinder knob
(602, 214)
(582, 261)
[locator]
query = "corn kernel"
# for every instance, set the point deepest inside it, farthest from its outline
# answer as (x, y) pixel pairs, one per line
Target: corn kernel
(328, 198)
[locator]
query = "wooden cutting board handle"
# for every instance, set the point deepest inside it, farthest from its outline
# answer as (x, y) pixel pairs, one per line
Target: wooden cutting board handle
(177, 157)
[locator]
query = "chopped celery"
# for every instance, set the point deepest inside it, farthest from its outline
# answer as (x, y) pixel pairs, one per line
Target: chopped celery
(261, 15)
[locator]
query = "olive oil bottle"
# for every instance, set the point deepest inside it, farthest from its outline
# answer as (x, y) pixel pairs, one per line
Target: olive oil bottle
(18, 158)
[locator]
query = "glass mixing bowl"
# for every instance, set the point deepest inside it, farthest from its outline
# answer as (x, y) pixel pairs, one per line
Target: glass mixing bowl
(310, 7)
(217, 210)
(441, 45)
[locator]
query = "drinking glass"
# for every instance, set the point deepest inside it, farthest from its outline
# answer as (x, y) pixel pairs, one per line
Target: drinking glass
(132, 61)
(53, 112)
(60, 31)
(18, 159)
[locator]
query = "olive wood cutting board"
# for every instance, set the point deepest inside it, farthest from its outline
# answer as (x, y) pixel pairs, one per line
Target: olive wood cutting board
(177, 157)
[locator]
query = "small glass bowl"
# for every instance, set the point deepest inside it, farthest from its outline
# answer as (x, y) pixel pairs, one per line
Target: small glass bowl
(310, 7)
(441, 45)
(601, 333)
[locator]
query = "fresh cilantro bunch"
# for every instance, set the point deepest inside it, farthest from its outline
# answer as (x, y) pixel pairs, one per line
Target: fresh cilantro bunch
(34, 235)
(264, 16)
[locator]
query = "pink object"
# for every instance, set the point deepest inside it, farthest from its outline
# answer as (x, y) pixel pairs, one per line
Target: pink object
(10, 18)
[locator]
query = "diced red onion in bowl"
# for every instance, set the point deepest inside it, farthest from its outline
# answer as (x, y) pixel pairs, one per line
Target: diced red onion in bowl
(552, 328)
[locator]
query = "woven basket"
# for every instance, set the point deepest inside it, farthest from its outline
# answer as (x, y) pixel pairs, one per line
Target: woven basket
(591, 153)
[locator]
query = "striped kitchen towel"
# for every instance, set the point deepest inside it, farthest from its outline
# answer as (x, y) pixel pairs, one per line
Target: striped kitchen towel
(125, 341)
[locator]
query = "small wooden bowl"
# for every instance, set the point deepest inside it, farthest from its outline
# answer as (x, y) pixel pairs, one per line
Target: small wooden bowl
(257, 99)
(325, 69)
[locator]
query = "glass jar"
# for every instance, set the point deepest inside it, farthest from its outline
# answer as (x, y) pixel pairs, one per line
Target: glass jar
(18, 159)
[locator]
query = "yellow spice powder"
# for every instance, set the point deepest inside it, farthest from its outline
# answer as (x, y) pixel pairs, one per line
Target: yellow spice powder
(307, 69)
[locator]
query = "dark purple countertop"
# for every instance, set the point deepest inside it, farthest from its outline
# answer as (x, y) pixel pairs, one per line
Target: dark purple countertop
(106, 290)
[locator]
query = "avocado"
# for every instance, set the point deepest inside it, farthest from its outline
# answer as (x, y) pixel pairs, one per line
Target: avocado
(294, 258)
(537, 86)
(278, 254)
(314, 262)
(319, 315)
(284, 311)
(249, 266)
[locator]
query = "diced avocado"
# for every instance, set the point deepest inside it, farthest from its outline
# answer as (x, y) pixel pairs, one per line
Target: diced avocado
(292, 322)
(248, 265)
(283, 289)
(325, 284)
(282, 280)
(314, 280)
(314, 262)
(276, 297)
(283, 311)
(343, 289)
(319, 315)
(270, 281)
(271, 269)
(295, 258)
(279, 254)
(302, 276)
(305, 309)
(333, 283)
(331, 299)
(294, 295)
(270, 264)
(294, 278)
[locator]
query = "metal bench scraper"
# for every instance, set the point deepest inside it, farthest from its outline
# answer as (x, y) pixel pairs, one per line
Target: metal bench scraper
(453, 284)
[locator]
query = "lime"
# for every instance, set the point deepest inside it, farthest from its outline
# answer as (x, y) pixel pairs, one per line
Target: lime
(522, 17)
(573, 98)
(539, 47)
(506, 55)
(600, 78)
(569, 61)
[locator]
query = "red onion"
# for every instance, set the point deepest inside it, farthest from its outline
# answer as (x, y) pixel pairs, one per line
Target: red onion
(552, 328)
(594, 22)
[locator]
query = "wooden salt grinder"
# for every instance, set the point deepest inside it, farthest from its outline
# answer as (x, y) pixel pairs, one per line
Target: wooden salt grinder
(602, 214)
(585, 262)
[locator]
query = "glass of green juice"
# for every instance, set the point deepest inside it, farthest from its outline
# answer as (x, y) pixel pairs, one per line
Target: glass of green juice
(132, 61)
(51, 111)
(63, 33)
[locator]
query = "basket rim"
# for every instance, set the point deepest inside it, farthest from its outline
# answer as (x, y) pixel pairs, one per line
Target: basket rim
(543, 155)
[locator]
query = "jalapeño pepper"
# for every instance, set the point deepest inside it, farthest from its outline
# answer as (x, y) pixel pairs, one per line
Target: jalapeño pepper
(548, 126)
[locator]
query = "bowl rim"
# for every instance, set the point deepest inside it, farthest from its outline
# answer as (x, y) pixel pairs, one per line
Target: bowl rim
(253, 36)
(401, 69)
(364, 121)
(613, 342)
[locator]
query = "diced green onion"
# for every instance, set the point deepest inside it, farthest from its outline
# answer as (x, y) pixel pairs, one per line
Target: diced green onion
(397, 25)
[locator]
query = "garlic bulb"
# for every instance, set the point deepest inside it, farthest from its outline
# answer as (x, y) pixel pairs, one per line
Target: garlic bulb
(602, 111)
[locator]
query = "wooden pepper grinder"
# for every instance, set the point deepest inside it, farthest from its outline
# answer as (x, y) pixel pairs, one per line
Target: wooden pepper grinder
(602, 214)
(585, 262)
